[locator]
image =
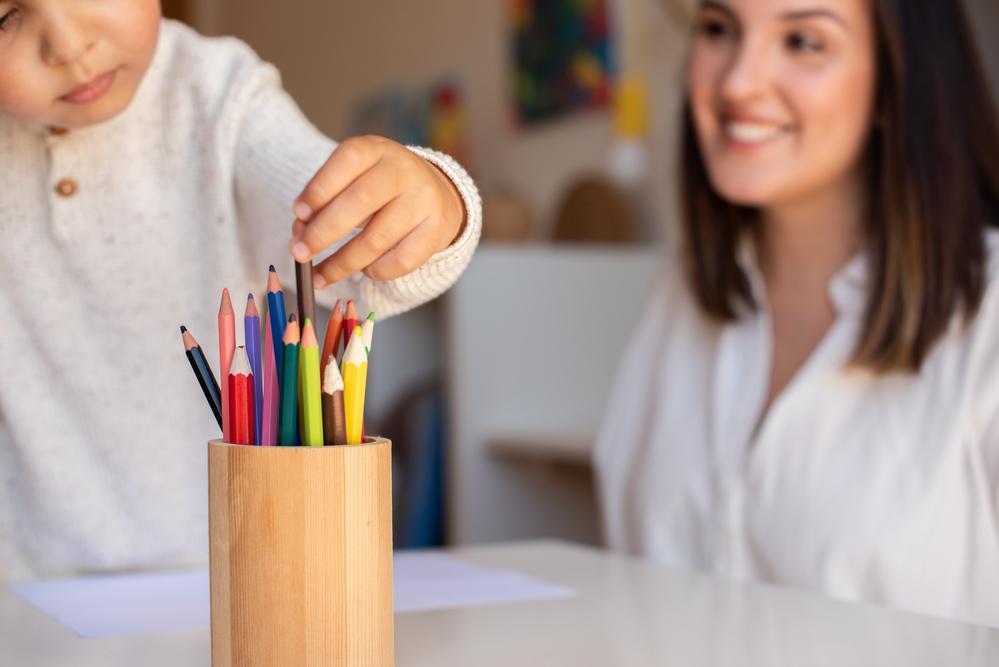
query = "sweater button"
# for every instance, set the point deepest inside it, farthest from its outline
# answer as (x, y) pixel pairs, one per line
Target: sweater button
(66, 187)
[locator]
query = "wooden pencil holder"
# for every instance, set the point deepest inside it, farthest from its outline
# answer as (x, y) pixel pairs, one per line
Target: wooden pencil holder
(301, 554)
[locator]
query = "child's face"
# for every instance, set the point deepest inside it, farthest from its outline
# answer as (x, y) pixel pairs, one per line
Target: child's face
(73, 63)
(782, 94)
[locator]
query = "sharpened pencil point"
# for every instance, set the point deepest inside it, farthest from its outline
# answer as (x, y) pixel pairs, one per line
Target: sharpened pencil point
(292, 318)
(249, 297)
(183, 328)
(271, 268)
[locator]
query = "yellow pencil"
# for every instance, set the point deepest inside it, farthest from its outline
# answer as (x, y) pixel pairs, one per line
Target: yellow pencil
(355, 373)
(312, 407)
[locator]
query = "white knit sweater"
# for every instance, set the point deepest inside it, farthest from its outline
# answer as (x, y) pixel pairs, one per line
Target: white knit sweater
(102, 424)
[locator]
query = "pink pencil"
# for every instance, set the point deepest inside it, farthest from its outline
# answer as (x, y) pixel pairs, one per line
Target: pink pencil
(227, 347)
(272, 393)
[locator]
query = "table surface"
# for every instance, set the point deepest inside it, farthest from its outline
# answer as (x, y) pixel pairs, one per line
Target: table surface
(626, 612)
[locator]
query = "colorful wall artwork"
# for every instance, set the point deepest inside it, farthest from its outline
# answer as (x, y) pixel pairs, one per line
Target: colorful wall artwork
(562, 58)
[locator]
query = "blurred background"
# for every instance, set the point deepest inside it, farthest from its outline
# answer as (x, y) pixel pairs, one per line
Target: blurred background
(565, 112)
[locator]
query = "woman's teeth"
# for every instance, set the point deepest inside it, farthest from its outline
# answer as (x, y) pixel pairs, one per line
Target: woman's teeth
(753, 133)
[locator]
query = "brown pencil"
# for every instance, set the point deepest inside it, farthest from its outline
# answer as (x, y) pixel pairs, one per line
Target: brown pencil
(306, 293)
(334, 422)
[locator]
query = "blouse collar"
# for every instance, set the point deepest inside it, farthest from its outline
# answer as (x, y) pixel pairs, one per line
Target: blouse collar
(847, 289)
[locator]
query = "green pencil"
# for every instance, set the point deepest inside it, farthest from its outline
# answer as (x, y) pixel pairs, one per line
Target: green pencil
(289, 385)
(312, 405)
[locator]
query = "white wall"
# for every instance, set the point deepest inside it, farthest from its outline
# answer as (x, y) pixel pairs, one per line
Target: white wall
(333, 53)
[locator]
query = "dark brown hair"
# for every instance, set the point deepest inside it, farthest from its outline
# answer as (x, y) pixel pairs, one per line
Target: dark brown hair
(933, 165)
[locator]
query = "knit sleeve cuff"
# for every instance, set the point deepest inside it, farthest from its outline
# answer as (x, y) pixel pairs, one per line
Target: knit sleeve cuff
(469, 197)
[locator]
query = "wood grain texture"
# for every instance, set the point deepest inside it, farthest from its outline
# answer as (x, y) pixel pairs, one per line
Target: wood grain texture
(301, 555)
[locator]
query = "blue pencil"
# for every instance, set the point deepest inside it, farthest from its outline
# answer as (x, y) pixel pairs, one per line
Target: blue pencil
(251, 331)
(277, 317)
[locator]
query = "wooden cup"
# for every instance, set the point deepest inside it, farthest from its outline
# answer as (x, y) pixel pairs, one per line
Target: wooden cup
(301, 554)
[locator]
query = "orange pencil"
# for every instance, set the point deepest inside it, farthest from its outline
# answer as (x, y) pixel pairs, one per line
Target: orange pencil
(331, 342)
(227, 346)
(349, 322)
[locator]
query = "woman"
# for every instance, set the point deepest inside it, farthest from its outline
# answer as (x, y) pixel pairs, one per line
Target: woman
(812, 397)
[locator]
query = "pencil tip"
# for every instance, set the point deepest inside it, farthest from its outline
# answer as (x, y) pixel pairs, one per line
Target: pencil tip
(292, 318)
(183, 328)
(249, 297)
(271, 268)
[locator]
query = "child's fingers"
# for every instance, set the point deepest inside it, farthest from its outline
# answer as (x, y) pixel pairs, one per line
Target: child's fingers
(379, 236)
(365, 196)
(347, 162)
(408, 255)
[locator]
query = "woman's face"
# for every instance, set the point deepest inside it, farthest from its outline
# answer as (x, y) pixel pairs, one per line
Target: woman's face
(782, 94)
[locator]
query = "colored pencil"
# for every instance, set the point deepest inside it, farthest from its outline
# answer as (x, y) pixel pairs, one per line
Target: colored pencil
(272, 393)
(275, 304)
(368, 331)
(251, 336)
(312, 406)
(289, 384)
(306, 293)
(349, 322)
(227, 344)
(242, 422)
(306, 310)
(203, 372)
(331, 341)
(334, 426)
(355, 371)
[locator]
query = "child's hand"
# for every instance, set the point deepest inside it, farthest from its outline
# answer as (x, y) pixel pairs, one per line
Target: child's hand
(407, 207)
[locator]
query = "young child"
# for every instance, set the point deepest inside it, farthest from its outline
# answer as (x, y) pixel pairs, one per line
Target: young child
(146, 168)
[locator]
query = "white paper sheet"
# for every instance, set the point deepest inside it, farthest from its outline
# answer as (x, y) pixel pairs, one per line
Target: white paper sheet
(165, 602)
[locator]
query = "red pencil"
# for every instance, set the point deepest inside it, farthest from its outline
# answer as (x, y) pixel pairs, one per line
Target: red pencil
(331, 342)
(227, 342)
(349, 322)
(242, 428)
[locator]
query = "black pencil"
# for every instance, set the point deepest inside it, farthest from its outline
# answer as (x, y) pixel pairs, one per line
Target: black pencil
(203, 372)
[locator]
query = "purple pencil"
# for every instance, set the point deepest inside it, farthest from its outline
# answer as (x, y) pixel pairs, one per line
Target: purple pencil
(251, 330)
(272, 391)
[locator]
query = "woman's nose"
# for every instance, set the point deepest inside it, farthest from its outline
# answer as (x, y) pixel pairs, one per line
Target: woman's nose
(747, 75)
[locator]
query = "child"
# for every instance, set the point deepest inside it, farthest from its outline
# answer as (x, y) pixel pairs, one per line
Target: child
(146, 168)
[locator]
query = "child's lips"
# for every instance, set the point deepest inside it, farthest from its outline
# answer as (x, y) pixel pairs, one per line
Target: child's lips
(92, 90)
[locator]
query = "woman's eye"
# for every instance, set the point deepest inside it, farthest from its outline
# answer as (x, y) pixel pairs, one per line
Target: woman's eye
(714, 28)
(804, 43)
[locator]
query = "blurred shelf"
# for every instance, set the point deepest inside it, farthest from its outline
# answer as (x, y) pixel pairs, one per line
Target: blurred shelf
(566, 450)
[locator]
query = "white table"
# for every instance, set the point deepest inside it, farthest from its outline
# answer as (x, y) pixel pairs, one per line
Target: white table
(626, 613)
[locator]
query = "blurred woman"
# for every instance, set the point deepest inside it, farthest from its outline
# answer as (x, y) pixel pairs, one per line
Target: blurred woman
(812, 397)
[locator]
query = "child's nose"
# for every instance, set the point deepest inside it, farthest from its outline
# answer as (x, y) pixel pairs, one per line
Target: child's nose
(65, 40)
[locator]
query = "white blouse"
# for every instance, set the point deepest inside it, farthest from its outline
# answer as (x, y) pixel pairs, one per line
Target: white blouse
(883, 489)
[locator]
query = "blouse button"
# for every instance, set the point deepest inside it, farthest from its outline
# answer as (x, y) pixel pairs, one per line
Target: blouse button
(66, 187)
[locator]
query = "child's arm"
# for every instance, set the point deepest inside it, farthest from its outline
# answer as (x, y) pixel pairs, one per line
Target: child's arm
(424, 210)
